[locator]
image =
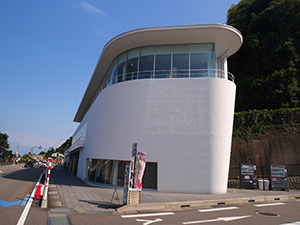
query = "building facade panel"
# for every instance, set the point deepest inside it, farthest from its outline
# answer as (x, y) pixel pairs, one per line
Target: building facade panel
(184, 125)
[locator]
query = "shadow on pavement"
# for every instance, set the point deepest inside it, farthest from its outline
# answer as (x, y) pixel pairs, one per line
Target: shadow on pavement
(61, 176)
(27, 174)
(103, 205)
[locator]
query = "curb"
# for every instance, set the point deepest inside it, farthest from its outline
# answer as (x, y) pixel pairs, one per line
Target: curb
(177, 206)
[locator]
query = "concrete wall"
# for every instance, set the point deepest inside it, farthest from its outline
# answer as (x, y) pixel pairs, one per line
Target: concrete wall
(185, 125)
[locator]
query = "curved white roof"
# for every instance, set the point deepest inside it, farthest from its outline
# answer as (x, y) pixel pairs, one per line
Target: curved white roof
(227, 41)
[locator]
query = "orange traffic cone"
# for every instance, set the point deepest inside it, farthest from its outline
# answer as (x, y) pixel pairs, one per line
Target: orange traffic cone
(38, 193)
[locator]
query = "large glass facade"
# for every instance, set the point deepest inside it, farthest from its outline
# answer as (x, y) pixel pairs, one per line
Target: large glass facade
(112, 172)
(164, 61)
(181, 61)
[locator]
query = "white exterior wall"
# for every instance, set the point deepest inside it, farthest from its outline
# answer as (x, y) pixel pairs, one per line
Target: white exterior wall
(185, 125)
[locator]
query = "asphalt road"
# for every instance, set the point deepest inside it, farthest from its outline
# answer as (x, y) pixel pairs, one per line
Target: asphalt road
(14, 186)
(283, 212)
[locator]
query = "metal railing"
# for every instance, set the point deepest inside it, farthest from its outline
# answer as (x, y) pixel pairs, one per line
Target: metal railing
(161, 74)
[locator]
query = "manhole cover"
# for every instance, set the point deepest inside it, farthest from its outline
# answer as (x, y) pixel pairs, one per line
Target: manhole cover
(267, 214)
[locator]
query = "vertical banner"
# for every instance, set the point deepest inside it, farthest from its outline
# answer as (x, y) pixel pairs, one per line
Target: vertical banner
(126, 182)
(132, 171)
(140, 164)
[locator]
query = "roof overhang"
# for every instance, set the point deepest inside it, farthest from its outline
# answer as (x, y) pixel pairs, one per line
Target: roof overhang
(227, 41)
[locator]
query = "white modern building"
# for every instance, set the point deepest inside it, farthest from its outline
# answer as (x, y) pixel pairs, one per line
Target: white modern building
(167, 89)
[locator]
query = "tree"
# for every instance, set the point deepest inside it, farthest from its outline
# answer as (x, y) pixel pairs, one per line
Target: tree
(65, 146)
(267, 65)
(49, 152)
(26, 156)
(4, 145)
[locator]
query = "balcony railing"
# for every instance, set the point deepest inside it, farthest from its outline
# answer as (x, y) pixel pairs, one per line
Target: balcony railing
(161, 74)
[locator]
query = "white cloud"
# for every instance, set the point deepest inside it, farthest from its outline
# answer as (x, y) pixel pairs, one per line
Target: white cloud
(92, 8)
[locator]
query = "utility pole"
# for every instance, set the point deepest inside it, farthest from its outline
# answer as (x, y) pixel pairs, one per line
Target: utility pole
(17, 154)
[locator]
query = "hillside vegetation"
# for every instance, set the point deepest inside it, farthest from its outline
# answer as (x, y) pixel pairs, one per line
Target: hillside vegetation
(266, 68)
(267, 65)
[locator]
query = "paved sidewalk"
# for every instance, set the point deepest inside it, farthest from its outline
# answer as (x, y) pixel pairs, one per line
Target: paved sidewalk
(90, 197)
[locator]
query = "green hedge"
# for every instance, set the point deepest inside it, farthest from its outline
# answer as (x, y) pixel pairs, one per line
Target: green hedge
(249, 124)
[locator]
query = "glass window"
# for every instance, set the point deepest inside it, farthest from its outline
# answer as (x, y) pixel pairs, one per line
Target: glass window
(180, 61)
(114, 71)
(163, 61)
(202, 60)
(132, 64)
(121, 67)
(146, 62)
(112, 172)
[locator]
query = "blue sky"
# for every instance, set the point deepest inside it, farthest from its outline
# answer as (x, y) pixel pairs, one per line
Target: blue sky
(49, 49)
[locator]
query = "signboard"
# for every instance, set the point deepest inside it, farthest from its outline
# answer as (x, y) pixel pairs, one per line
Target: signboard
(126, 182)
(134, 149)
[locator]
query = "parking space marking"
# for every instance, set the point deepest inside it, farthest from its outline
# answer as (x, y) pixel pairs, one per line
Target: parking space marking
(294, 223)
(218, 209)
(270, 204)
(147, 214)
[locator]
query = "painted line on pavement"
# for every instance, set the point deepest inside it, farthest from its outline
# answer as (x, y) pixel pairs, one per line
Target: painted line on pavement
(270, 204)
(225, 219)
(218, 209)
(148, 214)
(293, 223)
(6, 174)
(25, 200)
(8, 204)
(28, 205)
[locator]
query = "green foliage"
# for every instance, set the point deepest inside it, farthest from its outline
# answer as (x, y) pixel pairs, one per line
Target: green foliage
(267, 65)
(253, 123)
(67, 144)
(8, 154)
(26, 156)
(49, 153)
(4, 146)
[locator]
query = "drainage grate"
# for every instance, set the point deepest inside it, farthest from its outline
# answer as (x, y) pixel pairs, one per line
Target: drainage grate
(267, 214)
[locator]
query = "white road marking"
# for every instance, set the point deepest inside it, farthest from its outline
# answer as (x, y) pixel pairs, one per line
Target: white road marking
(270, 204)
(225, 219)
(4, 175)
(294, 223)
(148, 214)
(149, 221)
(218, 209)
(28, 205)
